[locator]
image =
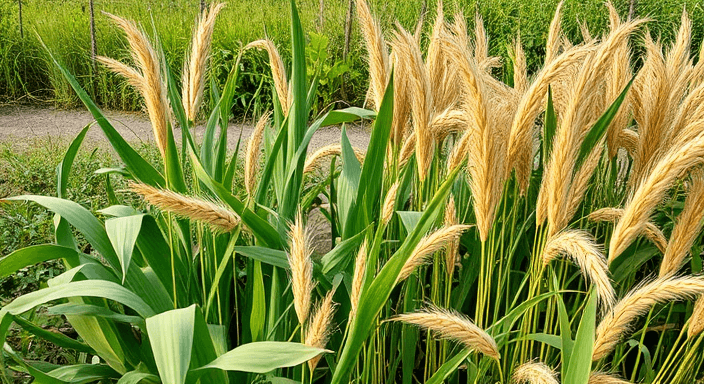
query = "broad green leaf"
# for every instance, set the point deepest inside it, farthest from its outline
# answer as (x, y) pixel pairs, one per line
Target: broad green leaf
(136, 377)
(123, 233)
(581, 359)
(348, 183)
(135, 164)
(599, 129)
(264, 356)
(84, 373)
(55, 338)
(87, 288)
(409, 219)
(338, 258)
(171, 337)
(449, 367)
(82, 220)
(368, 195)
(551, 340)
(77, 309)
(118, 211)
(265, 255)
(35, 254)
(347, 115)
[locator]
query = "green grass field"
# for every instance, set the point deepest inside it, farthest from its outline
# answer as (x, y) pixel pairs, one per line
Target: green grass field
(64, 26)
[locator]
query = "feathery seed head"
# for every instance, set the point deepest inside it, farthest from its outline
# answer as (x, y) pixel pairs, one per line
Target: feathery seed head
(452, 325)
(617, 322)
(428, 245)
(534, 373)
(299, 259)
(216, 216)
(320, 327)
(253, 153)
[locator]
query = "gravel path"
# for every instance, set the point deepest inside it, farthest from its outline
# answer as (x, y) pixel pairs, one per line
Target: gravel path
(21, 123)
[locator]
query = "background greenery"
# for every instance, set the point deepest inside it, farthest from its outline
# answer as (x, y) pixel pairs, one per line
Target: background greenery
(27, 75)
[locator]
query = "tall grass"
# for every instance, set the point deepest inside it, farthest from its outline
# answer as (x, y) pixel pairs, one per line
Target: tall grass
(28, 75)
(492, 232)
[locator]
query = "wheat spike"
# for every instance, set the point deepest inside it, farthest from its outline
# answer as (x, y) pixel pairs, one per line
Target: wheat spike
(459, 152)
(320, 327)
(531, 104)
(146, 78)
(453, 249)
(534, 373)
(520, 70)
(409, 54)
(585, 105)
(360, 267)
(651, 192)
(696, 321)
(387, 209)
(253, 153)
(650, 230)
(486, 145)
(379, 68)
(278, 72)
(428, 245)
(313, 161)
(605, 378)
(553, 43)
(215, 215)
(447, 122)
(453, 326)
(637, 302)
(301, 269)
(581, 248)
(686, 230)
(195, 65)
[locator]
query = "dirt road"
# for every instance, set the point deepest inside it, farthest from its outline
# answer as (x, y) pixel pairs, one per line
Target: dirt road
(20, 123)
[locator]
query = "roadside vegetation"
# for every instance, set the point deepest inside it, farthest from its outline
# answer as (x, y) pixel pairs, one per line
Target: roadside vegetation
(509, 222)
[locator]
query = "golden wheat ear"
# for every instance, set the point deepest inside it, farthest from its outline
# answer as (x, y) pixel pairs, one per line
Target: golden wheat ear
(278, 72)
(605, 378)
(696, 321)
(428, 245)
(453, 249)
(194, 66)
(650, 230)
(216, 216)
(299, 259)
(379, 68)
(320, 327)
(652, 191)
(687, 228)
(581, 248)
(409, 55)
(360, 267)
(146, 78)
(452, 325)
(616, 323)
(534, 373)
(314, 160)
(253, 153)
(554, 40)
(387, 210)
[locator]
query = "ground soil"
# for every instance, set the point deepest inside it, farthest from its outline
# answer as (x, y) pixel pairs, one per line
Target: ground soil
(20, 123)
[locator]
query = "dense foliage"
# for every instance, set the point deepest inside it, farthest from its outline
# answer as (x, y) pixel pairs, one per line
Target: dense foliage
(27, 74)
(547, 223)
